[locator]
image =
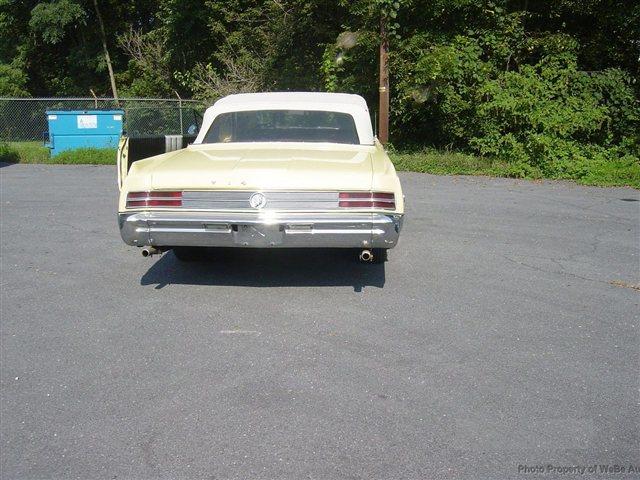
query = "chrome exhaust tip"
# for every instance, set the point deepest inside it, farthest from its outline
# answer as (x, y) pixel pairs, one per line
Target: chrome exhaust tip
(150, 251)
(366, 256)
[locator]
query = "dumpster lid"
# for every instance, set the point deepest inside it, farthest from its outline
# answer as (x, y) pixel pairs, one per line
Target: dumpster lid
(85, 112)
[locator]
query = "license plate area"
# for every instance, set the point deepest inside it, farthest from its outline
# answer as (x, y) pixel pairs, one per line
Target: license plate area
(247, 235)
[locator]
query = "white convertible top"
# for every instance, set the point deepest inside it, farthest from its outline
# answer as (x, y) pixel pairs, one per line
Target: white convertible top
(354, 105)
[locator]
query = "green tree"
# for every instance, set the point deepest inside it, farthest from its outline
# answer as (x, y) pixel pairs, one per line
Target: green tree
(13, 81)
(541, 83)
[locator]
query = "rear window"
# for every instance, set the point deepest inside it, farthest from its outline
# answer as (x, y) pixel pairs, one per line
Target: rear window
(283, 126)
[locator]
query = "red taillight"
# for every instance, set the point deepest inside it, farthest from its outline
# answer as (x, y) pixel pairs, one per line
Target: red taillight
(154, 199)
(367, 200)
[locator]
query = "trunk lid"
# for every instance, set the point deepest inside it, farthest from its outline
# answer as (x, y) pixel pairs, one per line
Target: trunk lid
(265, 167)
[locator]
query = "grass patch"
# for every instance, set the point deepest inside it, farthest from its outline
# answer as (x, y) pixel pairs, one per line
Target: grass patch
(453, 163)
(86, 156)
(621, 172)
(615, 173)
(23, 152)
(35, 152)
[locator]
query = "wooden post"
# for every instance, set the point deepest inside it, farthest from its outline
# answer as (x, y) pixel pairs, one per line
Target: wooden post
(103, 37)
(95, 98)
(180, 107)
(383, 117)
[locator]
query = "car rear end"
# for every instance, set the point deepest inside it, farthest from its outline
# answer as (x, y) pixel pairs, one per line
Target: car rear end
(261, 219)
(283, 176)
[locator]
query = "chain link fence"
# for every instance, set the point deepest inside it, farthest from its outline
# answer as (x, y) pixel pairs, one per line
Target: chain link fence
(25, 119)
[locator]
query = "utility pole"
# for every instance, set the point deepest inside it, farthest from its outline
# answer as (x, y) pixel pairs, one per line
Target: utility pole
(383, 117)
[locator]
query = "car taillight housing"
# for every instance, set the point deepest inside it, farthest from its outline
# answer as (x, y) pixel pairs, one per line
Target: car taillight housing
(367, 200)
(154, 199)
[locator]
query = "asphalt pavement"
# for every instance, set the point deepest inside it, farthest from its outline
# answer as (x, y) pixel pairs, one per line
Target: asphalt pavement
(501, 336)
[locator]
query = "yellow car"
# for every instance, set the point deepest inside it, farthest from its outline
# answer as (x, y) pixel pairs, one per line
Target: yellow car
(267, 170)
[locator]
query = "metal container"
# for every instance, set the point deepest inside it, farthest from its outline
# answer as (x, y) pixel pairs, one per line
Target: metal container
(73, 129)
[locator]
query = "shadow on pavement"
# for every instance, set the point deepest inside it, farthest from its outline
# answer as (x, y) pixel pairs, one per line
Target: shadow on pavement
(267, 268)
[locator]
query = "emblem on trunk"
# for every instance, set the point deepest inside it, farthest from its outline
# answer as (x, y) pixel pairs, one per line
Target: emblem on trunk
(257, 200)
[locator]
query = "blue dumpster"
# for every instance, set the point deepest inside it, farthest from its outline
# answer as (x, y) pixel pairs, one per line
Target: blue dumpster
(71, 129)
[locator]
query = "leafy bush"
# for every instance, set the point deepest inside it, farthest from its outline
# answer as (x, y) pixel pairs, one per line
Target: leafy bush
(556, 118)
(13, 80)
(546, 116)
(8, 154)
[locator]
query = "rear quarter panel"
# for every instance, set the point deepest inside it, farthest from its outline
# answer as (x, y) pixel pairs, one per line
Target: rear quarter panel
(385, 178)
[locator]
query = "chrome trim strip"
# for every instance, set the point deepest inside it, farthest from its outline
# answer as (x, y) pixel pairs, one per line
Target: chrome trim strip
(275, 200)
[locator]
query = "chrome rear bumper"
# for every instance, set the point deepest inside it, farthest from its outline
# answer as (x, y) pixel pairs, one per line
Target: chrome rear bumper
(260, 230)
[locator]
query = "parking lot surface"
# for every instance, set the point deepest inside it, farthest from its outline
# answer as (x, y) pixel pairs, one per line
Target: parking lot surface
(502, 334)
